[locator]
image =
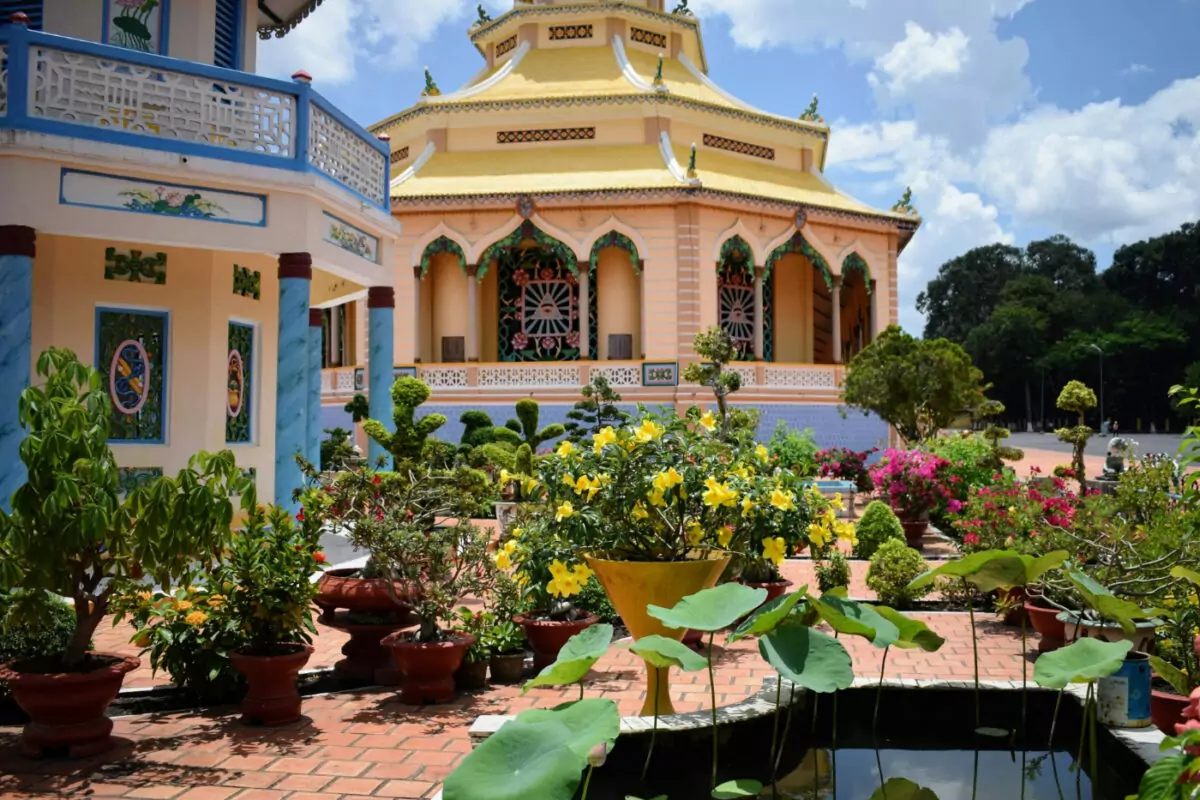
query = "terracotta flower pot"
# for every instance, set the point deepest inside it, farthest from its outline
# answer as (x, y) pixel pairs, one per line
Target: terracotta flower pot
(272, 698)
(471, 675)
(693, 639)
(66, 710)
(775, 589)
(342, 588)
(546, 637)
(508, 668)
(634, 585)
(1045, 621)
(1166, 709)
(427, 668)
(914, 532)
(1016, 595)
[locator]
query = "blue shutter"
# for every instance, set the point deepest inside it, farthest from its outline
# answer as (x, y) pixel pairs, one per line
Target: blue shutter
(32, 9)
(227, 49)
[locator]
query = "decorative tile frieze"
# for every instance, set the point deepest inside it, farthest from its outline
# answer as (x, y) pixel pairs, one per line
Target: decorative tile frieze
(734, 146)
(399, 155)
(561, 33)
(246, 282)
(546, 135)
(643, 36)
(660, 374)
(134, 267)
(507, 46)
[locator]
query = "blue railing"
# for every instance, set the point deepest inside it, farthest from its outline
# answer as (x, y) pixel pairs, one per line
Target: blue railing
(69, 87)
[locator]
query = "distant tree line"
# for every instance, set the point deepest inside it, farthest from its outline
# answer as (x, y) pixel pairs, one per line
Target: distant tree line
(1036, 318)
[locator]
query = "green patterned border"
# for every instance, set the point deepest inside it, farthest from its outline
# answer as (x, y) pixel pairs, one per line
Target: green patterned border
(135, 267)
(443, 244)
(616, 239)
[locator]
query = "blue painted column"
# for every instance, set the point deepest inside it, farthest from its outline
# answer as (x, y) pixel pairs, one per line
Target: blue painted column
(381, 313)
(291, 390)
(16, 338)
(316, 343)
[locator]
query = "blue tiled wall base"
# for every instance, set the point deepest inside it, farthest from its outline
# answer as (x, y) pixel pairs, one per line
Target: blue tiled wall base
(855, 431)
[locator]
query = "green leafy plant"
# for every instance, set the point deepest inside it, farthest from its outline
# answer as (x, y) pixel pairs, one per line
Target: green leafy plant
(833, 573)
(505, 638)
(1176, 661)
(794, 450)
(891, 572)
(478, 624)
(338, 451)
(878, 524)
(359, 408)
(70, 533)
(1077, 398)
(407, 444)
(42, 630)
(528, 416)
(576, 659)
(718, 350)
(596, 411)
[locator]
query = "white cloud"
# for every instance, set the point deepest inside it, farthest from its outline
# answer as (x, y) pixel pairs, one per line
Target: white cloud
(1137, 69)
(920, 56)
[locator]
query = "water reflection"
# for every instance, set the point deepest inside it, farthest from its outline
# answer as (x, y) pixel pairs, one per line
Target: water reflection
(949, 774)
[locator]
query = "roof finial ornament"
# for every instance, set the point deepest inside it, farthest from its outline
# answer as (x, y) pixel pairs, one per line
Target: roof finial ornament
(905, 205)
(691, 173)
(484, 16)
(682, 9)
(810, 114)
(659, 83)
(431, 88)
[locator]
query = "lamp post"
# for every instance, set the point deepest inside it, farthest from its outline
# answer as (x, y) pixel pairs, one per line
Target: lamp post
(1098, 350)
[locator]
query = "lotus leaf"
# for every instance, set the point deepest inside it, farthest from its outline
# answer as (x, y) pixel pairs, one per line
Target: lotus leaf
(712, 609)
(1082, 661)
(808, 658)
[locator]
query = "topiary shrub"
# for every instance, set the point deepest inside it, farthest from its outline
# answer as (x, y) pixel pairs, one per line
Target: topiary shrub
(528, 415)
(408, 442)
(26, 638)
(893, 567)
(879, 524)
(478, 430)
(833, 573)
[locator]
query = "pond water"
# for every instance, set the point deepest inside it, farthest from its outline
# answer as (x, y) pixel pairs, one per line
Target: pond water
(949, 774)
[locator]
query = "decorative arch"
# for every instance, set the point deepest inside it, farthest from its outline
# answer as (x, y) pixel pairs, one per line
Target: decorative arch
(854, 262)
(443, 244)
(739, 230)
(736, 303)
(734, 252)
(798, 245)
(527, 230)
(609, 226)
(441, 230)
(615, 238)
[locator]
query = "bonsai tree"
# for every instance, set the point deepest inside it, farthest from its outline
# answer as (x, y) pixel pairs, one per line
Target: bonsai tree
(337, 452)
(358, 408)
(407, 444)
(917, 386)
(717, 348)
(70, 533)
(595, 412)
(528, 414)
(1077, 398)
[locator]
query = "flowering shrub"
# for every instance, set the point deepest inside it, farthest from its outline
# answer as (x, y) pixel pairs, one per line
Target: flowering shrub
(894, 566)
(914, 482)
(847, 465)
(1010, 515)
(973, 464)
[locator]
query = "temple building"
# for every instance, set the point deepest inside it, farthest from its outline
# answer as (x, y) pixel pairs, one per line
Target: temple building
(592, 199)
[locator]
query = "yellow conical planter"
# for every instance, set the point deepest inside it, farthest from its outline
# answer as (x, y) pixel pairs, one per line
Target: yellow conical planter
(633, 585)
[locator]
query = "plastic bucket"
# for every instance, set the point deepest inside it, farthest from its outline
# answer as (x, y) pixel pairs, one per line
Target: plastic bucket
(1123, 698)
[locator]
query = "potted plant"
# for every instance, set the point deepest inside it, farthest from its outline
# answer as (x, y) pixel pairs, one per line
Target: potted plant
(71, 533)
(506, 641)
(473, 672)
(914, 485)
(1176, 664)
(266, 578)
(840, 463)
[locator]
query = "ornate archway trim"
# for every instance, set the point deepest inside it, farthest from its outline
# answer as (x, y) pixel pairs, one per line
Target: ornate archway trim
(528, 230)
(735, 249)
(856, 262)
(615, 238)
(797, 245)
(442, 244)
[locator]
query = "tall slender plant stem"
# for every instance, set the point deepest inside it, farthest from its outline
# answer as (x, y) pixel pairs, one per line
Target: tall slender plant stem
(1054, 719)
(581, 690)
(879, 691)
(653, 735)
(975, 776)
(712, 688)
(1024, 679)
(975, 655)
(1083, 726)
(833, 744)
(1092, 757)
(587, 781)
(787, 726)
(775, 727)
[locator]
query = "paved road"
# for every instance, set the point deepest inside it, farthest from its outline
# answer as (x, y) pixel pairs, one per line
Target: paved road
(1098, 445)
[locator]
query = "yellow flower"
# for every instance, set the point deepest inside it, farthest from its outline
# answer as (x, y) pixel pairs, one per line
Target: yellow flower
(182, 605)
(216, 601)
(708, 422)
(846, 532)
(747, 506)
(775, 550)
(195, 618)
(665, 481)
(564, 511)
(504, 560)
(694, 533)
(762, 452)
(529, 485)
(603, 438)
(521, 578)
(784, 501)
(719, 494)
(565, 448)
(837, 503)
(656, 498)
(589, 485)
(565, 585)
(558, 568)
(725, 536)
(516, 532)
(741, 472)
(510, 547)
(639, 511)
(829, 518)
(569, 480)
(582, 573)
(648, 431)
(818, 535)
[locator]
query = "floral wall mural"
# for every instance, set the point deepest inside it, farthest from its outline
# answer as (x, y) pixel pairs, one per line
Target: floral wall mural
(539, 304)
(131, 355)
(735, 282)
(239, 385)
(136, 24)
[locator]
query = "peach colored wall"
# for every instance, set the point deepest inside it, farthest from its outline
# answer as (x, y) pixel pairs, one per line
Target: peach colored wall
(449, 301)
(619, 299)
(423, 348)
(793, 276)
(489, 317)
(69, 285)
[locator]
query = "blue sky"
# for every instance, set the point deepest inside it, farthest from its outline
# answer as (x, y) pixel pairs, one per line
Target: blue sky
(1011, 119)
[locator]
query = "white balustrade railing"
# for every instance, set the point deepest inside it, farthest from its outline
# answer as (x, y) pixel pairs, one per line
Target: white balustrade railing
(343, 155)
(529, 376)
(620, 375)
(444, 377)
(338, 382)
(802, 376)
(749, 374)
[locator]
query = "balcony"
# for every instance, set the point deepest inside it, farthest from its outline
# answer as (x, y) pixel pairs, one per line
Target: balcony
(69, 87)
(565, 378)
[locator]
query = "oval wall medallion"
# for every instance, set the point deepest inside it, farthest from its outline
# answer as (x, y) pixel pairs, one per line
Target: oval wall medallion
(129, 377)
(236, 385)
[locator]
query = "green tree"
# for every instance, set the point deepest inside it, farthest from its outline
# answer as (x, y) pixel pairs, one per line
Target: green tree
(528, 419)
(917, 386)
(718, 350)
(967, 289)
(1076, 398)
(596, 411)
(1008, 346)
(407, 444)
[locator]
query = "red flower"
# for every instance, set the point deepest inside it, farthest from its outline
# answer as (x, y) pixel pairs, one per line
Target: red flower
(300, 515)
(319, 557)
(376, 480)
